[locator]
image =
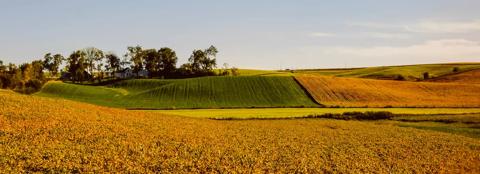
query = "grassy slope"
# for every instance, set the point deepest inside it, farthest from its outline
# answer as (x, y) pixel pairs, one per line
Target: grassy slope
(410, 72)
(352, 92)
(47, 135)
(207, 92)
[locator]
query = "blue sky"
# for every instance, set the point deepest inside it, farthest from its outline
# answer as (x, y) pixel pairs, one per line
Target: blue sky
(265, 34)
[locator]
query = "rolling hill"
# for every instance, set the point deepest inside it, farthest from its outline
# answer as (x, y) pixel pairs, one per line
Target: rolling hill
(468, 77)
(355, 92)
(205, 92)
(409, 72)
(44, 135)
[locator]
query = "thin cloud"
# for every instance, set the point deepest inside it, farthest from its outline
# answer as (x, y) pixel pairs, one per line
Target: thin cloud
(433, 51)
(445, 27)
(321, 34)
(385, 35)
(426, 26)
(376, 25)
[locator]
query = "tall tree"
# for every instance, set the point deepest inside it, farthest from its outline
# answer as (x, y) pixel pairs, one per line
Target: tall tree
(136, 57)
(93, 57)
(203, 62)
(76, 65)
(37, 68)
(27, 71)
(57, 61)
(196, 59)
(48, 63)
(113, 63)
(168, 59)
(14, 76)
(3, 68)
(152, 61)
(52, 63)
(211, 59)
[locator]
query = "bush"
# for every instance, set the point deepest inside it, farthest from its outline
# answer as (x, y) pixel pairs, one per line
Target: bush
(399, 77)
(31, 86)
(34, 84)
(369, 115)
(455, 69)
(426, 75)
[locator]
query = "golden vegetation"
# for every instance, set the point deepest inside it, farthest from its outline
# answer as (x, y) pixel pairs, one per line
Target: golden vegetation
(353, 92)
(46, 135)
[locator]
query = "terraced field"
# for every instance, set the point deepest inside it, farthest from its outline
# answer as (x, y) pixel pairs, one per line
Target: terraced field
(409, 72)
(354, 92)
(205, 92)
(46, 135)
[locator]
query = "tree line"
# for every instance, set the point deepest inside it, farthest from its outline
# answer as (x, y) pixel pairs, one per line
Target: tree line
(92, 64)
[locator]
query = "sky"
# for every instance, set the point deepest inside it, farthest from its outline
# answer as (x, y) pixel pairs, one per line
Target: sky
(261, 34)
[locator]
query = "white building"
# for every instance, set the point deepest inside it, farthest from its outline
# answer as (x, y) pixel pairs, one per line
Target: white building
(128, 73)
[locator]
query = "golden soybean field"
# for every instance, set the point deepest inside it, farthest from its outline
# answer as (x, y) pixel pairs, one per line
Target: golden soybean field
(354, 92)
(46, 135)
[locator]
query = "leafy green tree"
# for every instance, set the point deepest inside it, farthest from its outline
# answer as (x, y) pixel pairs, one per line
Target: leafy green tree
(27, 71)
(186, 69)
(76, 66)
(52, 63)
(37, 68)
(93, 59)
(113, 63)
(152, 61)
(203, 62)
(210, 62)
(57, 61)
(3, 68)
(168, 59)
(136, 57)
(48, 62)
(13, 76)
(125, 62)
(196, 59)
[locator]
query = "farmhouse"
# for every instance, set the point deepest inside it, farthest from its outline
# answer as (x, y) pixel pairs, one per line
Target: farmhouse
(128, 73)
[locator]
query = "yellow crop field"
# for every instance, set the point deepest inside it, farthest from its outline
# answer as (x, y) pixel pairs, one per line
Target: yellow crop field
(354, 92)
(47, 135)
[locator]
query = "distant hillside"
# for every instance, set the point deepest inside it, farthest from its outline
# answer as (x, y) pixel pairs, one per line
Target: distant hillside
(205, 92)
(354, 92)
(408, 72)
(468, 77)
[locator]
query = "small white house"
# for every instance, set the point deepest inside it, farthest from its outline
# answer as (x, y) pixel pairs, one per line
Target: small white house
(128, 73)
(124, 74)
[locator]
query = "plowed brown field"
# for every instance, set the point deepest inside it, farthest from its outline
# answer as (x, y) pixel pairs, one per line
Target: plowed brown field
(354, 92)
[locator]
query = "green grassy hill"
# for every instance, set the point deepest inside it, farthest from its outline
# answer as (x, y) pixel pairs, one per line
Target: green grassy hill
(205, 92)
(409, 72)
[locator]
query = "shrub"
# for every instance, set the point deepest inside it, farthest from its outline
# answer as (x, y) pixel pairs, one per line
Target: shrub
(426, 75)
(455, 69)
(399, 77)
(369, 115)
(34, 84)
